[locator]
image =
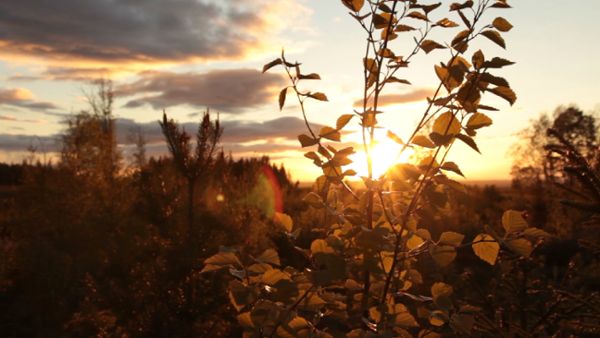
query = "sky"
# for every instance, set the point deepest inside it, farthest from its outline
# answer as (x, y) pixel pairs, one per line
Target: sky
(185, 56)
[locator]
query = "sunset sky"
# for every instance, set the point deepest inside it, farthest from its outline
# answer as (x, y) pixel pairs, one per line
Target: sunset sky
(186, 55)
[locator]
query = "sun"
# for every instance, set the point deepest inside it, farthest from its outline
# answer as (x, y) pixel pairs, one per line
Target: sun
(385, 154)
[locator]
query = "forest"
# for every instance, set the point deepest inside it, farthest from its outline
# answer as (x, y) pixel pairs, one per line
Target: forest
(200, 243)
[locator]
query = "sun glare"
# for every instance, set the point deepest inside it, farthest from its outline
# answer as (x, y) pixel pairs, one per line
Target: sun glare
(386, 153)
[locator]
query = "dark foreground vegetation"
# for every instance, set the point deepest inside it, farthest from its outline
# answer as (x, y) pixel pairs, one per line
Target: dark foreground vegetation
(90, 246)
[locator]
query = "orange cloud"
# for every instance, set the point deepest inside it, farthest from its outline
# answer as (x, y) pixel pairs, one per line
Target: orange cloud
(392, 99)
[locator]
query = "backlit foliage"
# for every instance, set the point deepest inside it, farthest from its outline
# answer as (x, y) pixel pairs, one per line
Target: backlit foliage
(363, 277)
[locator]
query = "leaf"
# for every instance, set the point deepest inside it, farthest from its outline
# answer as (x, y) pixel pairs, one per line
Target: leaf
(441, 292)
(446, 124)
(535, 233)
(513, 221)
(429, 45)
(403, 28)
(451, 166)
(495, 80)
(271, 277)
(505, 93)
(417, 15)
(446, 23)
(456, 6)
(272, 64)
(282, 96)
(390, 134)
(479, 120)
(343, 120)
(460, 37)
(239, 294)
(520, 246)
(486, 248)
(478, 59)
(495, 37)
(245, 320)
(354, 5)
(469, 141)
(221, 260)
(497, 62)
(397, 80)
(423, 141)
(269, 256)
(451, 238)
(405, 319)
(502, 24)
(284, 220)
(318, 96)
(500, 4)
(306, 141)
(330, 134)
(320, 246)
(312, 76)
(443, 255)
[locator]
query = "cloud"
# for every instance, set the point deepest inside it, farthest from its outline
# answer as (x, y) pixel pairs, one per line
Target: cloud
(391, 99)
(108, 32)
(23, 98)
(239, 136)
(68, 74)
(229, 91)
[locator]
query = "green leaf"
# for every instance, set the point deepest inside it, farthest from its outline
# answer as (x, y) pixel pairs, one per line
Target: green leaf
(423, 141)
(502, 24)
(343, 120)
(306, 141)
(451, 166)
(495, 37)
(505, 93)
(269, 256)
(284, 220)
(282, 96)
(272, 64)
(513, 221)
(486, 248)
(446, 124)
(429, 45)
(479, 120)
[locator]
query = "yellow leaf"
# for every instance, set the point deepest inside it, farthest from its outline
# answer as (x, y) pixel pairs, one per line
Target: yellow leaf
(451, 238)
(330, 134)
(245, 320)
(284, 220)
(423, 141)
(271, 277)
(479, 120)
(269, 256)
(520, 246)
(513, 221)
(442, 254)
(486, 248)
(405, 319)
(343, 120)
(306, 141)
(446, 124)
(502, 24)
(320, 245)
